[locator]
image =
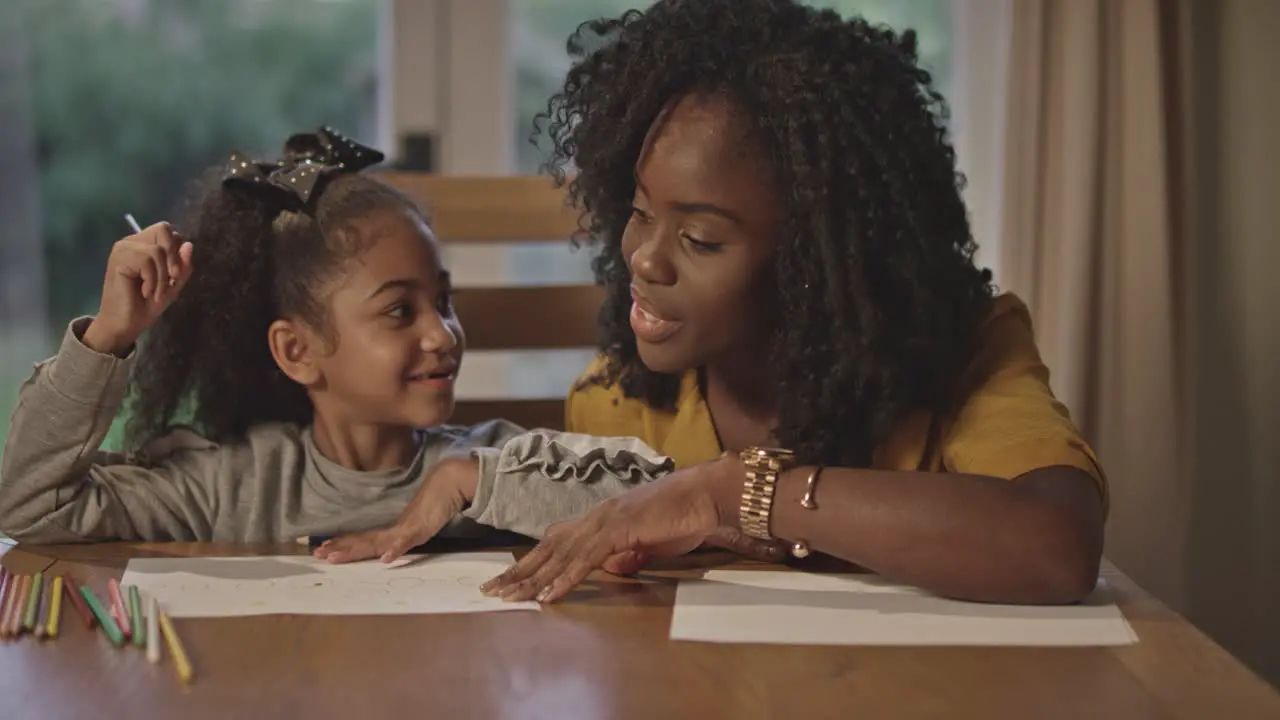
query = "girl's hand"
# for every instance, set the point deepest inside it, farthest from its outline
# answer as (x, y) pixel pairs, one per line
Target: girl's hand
(145, 273)
(671, 516)
(444, 493)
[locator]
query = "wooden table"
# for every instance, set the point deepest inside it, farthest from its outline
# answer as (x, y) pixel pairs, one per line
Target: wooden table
(602, 654)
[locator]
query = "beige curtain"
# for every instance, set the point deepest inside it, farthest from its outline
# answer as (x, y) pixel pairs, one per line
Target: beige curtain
(1090, 240)
(1142, 177)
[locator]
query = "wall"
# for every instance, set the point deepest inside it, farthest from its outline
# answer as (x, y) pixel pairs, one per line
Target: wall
(1233, 532)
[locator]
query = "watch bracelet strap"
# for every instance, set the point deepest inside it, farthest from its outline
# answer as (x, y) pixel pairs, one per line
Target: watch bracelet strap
(756, 508)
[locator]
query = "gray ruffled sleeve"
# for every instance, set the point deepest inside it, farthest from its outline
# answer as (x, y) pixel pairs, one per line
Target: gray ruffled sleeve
(543, 477)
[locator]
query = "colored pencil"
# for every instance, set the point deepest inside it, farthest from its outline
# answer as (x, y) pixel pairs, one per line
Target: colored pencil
(13, 596)
(77, 601)
(6, 584)
(180, 661)
(32, 612)
(136, 617)
(121, 610)
(55, 607)
(42, 616)
(104, 618)
(19, 606)
(153, 629)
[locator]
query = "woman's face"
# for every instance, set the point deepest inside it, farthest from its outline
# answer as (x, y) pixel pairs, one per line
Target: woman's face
(701, 239)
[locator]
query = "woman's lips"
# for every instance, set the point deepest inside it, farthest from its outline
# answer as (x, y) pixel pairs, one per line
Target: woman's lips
(648, 325)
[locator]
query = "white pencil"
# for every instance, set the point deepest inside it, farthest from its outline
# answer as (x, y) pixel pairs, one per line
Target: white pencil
(137, 230)
(153, 629)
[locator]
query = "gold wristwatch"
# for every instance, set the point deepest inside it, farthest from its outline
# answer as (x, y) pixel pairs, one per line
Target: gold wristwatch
(763, 467)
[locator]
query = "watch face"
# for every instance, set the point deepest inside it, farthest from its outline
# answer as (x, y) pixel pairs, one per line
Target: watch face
(766, 453)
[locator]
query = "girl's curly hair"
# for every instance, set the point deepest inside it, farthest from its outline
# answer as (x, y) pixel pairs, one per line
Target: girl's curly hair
(880, 299)
(258, 257)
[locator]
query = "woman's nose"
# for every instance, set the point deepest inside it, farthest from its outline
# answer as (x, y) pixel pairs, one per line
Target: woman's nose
(650, 263)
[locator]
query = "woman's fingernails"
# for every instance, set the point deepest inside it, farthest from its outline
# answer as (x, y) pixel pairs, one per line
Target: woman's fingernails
(544, 594)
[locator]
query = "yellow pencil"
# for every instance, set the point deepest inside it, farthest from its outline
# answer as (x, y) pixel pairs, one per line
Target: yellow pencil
(180, 661)
(55, 607)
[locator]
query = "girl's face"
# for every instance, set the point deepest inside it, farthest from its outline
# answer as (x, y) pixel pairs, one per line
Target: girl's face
(701, 239)
(395, 344)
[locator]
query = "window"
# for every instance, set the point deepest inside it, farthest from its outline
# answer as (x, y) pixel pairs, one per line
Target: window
(112, 106)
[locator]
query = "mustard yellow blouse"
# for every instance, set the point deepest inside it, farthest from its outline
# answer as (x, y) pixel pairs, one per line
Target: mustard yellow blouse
(1009, 424)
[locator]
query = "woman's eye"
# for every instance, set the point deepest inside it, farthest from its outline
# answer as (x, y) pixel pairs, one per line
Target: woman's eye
(640, 215)
(700, 245)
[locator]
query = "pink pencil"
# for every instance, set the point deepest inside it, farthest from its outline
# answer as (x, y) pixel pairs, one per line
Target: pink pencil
(17, 604)
(7, 581)
(118, 607)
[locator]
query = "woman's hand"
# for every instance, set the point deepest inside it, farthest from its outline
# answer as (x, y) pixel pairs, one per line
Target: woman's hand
(145, 274)
(671, 516)
(444, 493)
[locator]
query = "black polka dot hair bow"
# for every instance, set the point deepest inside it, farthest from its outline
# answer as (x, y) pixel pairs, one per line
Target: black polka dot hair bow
(308, 159)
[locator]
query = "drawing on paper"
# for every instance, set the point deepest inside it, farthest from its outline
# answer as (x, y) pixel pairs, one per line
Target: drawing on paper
(230, 586)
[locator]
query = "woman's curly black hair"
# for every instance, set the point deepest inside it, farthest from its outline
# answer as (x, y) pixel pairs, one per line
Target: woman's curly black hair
(259, 256)
(880, 299)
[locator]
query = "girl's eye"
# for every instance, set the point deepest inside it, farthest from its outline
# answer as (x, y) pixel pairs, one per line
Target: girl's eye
(640, 215)
(699, 245)
(400, 311)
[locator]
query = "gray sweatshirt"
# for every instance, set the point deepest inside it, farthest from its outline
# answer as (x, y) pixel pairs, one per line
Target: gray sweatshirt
(57, 486)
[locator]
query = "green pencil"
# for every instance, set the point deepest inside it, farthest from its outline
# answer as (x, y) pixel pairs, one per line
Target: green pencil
(104, 618)
(33, 603)
(135, 612)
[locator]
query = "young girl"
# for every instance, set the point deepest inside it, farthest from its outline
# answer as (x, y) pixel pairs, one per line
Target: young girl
(306, 323)
(791, 282)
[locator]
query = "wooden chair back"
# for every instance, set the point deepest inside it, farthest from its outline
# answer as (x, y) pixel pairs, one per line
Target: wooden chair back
(506, 210)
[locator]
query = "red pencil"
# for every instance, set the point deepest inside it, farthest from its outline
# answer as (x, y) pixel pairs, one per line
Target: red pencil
(118, 607)
(77, 600)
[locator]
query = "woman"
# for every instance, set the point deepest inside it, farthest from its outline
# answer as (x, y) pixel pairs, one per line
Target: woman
(789, 265)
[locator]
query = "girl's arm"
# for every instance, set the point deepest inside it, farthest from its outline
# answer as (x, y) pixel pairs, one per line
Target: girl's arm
(55, 485)
(536, 479)
(501, 476)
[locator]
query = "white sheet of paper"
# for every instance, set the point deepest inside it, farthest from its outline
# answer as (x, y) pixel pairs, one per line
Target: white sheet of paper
(300, 584)
(740, 606)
